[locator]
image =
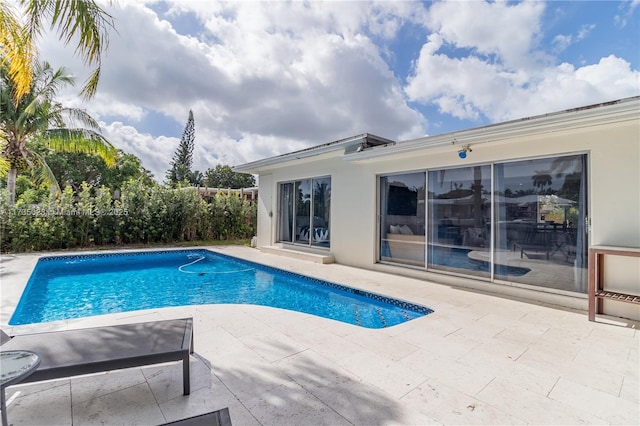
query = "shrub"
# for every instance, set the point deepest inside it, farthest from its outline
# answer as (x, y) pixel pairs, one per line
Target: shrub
(141, 214)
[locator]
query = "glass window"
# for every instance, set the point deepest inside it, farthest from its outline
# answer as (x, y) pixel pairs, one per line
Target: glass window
(303, 211)
(321, 211)
(402, 218)
(304, 214)
(540, 215)
(285, 223)
(460, 220)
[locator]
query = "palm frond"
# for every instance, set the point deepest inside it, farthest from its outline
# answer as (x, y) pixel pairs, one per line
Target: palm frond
(79, 118)
(82, 141)
(91, 85)
(43, 173)
(82, 20)
(17, 50)
(5, 164)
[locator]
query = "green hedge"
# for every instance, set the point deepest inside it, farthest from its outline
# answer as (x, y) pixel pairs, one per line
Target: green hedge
(140, 215)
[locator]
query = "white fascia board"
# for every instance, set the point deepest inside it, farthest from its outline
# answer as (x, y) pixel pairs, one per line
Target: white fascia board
(607, 113)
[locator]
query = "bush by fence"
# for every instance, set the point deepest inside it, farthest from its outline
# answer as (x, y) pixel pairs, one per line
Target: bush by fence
(141, 214)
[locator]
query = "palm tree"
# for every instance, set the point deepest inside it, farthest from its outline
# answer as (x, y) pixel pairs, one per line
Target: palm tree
(82, 20)
(37, 114)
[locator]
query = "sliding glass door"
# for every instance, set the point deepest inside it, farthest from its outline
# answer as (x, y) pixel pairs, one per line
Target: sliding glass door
(402, 218)
(304, 212)
(522, 221)
(460, 220)
(541, 211)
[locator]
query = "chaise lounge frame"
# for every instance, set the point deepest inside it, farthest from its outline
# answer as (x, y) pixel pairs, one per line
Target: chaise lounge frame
(70, 353)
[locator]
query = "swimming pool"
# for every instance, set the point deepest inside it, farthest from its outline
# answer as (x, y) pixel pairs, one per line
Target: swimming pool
(65, 287)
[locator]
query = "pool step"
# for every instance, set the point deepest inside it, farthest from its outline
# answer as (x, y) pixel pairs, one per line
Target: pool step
(323, 258)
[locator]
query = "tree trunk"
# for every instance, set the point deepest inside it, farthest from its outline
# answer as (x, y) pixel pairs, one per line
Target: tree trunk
(11, 185)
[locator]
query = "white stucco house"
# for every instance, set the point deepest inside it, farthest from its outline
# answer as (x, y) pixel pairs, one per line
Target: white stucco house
(509, 208)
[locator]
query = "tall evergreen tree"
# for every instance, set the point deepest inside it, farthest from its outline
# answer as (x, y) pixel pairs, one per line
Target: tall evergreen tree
(180, 170)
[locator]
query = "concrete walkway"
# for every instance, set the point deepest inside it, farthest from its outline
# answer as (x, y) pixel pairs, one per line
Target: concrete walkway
(478, 359)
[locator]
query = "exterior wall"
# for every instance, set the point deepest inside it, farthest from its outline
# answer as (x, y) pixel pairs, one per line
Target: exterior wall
(266, 210)
(614, 196)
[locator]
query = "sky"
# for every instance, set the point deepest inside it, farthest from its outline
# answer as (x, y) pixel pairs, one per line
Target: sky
(267, 78)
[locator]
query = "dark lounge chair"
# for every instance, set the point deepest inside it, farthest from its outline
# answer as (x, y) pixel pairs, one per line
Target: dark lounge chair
(91, 350)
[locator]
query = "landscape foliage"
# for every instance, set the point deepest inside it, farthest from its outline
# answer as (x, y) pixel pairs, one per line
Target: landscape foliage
(140, 214)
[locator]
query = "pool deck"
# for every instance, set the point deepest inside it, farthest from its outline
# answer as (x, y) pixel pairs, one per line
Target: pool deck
(478, 359)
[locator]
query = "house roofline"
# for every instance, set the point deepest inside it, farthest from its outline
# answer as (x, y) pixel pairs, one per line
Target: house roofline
(369, 147)
(364, 140)
(590, 115)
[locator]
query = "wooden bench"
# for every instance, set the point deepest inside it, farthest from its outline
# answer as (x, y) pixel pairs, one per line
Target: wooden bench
(69, 353)
(597, 292)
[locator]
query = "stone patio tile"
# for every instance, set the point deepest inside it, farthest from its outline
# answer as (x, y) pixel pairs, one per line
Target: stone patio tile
(290, 404)
(590, 375)
(347, 394)
(610, 358)
(165, 380)
(609, 408)
(521, 334)
(85, 388)
(201, 401)
(382, 344)
(449, 371)
(328, 344)
(450, 406)
(534, 376)
(39, 404)
(452, 345)
(530, 406)
(248, 375)
(273, 346)
(214, 342)
(392, 377)
(498, 349)
(630, 390)
(238, 322)
(133, 405)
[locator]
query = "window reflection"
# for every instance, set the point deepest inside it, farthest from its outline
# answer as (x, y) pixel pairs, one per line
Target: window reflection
(460, 219)
(305, 210)
(536, 234)
(402, 218)
(540, 215)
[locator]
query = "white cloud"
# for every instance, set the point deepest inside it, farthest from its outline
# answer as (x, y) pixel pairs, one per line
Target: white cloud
(499, 29)
(155, 153)
(261, 79)
(503, 76)
(622, 20)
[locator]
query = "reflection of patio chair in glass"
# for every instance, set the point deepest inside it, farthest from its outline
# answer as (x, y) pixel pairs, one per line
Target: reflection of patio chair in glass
(564, 243)
(474, 237)
(321, 234)
(537, 242)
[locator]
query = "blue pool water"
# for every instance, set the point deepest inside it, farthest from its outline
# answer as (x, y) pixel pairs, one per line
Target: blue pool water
(78, 286)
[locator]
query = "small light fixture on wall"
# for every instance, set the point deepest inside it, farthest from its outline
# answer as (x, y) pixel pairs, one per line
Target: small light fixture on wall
(462, 152)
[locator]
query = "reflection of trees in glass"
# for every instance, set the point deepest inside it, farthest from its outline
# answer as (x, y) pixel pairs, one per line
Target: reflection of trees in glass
(303, 204)
(571, 169)
(541, 179)
(321, 196)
